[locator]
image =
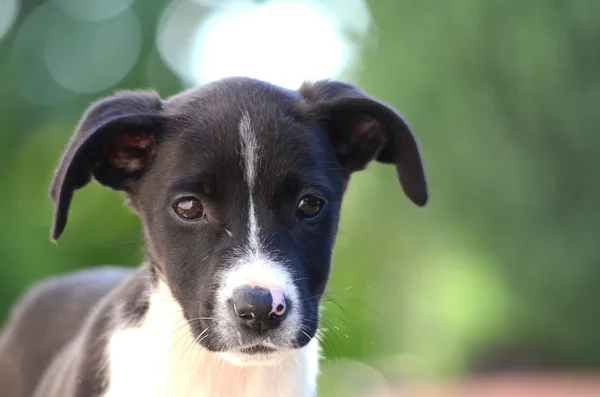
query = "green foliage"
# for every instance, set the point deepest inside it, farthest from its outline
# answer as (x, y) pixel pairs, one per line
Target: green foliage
(503, 97)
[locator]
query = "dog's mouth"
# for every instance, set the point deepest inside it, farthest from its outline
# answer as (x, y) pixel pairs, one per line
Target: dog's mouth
(258, 349)
(259, 354)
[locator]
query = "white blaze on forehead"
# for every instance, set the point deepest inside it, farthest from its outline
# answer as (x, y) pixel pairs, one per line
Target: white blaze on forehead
(249, 145)
(250, 148)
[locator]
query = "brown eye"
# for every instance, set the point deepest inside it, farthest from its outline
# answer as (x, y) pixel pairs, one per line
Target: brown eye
(189, 208)
(309, 206)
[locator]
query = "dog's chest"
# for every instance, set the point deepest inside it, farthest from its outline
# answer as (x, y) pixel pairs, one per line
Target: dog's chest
(160, 359)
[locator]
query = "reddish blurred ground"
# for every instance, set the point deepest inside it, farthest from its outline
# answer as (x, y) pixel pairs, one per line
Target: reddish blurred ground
(510, 386)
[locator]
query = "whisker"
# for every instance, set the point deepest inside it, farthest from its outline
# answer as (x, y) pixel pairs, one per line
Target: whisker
(333, 301)
(195, 341)
(139, 239)
(350, 298)
(332, 351)
(187, 323)
(323, 340)
(337, 316)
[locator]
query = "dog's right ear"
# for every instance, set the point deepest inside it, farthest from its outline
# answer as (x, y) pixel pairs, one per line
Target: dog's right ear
(114, 142)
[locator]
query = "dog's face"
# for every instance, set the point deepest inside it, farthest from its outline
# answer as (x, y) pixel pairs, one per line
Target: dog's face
(239, 185)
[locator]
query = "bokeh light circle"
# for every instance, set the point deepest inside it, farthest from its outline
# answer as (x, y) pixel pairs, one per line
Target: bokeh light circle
(26, 59)
(87, 57)
(93, 10)
(284, 42)
(9, 9)
(176, 32)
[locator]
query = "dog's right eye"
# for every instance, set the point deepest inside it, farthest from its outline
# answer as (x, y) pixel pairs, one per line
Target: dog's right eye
(189, 208)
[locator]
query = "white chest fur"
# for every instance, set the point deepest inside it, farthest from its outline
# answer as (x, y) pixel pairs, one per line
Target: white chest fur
(159, 358)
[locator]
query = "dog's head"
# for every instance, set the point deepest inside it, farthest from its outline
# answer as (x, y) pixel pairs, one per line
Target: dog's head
(239, 185)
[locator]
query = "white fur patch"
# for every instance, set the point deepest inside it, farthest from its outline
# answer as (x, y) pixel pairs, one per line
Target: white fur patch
(250, 148)
(160, 358)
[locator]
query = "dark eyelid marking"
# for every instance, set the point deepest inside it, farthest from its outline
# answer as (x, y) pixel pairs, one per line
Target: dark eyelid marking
(193, 187)
(311, 184)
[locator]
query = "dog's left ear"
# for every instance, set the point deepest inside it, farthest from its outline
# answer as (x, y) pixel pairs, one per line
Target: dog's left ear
(363, 129)
(114, 142)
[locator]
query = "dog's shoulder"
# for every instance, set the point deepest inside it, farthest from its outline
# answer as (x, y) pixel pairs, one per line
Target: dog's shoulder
(49, 316)
(72, 295)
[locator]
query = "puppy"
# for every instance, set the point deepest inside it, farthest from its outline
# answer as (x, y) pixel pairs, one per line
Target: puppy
(238, 185)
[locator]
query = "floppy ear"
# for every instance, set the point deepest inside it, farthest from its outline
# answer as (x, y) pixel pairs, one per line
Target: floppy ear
(363, 129)
(114, 142)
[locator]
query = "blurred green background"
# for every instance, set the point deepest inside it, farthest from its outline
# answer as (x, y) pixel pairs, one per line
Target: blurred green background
(501, 270)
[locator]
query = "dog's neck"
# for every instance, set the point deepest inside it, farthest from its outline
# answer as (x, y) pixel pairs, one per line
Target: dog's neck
(160, 358)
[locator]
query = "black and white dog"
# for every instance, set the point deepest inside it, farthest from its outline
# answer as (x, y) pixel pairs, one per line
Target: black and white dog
(238, 185)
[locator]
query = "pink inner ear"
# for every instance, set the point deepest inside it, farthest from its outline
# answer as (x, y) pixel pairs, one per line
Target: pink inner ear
(129, 151)
(364, 127)
(135, 141)
(366, 130)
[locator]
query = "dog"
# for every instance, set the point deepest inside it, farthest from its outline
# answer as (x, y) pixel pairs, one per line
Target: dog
(238, 184)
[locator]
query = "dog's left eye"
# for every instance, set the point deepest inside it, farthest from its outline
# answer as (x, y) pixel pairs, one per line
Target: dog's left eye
(189, 208)
(309, 206)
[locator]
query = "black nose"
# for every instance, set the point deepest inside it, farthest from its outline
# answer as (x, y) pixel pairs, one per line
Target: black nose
(255, 306)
